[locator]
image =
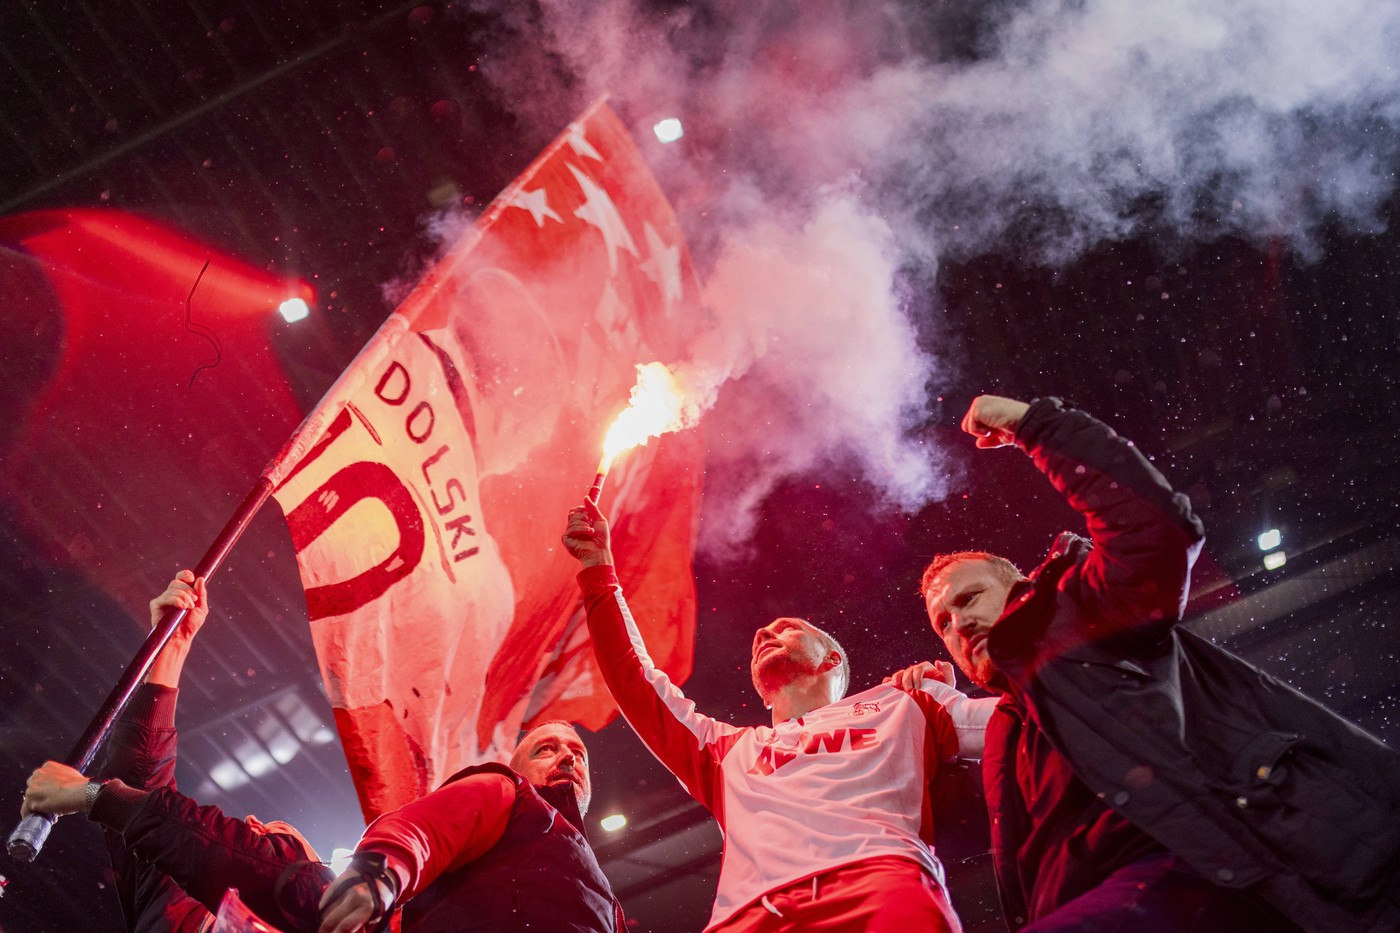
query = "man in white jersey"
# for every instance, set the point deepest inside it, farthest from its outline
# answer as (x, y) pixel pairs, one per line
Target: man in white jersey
(826, 814)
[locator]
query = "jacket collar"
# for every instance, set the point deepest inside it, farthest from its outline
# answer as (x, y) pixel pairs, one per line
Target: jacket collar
(1031, 603)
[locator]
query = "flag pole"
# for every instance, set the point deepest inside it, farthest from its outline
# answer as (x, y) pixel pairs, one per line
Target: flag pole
(29, 836)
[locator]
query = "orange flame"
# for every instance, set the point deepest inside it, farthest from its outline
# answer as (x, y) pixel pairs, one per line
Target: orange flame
(657, 407)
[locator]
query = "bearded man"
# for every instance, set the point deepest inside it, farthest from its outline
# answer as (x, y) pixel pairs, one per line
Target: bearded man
(1138, 777)
(493, 850)
(826, 812)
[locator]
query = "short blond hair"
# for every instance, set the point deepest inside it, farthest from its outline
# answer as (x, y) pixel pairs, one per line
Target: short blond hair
(1003, 568)
(843, 670)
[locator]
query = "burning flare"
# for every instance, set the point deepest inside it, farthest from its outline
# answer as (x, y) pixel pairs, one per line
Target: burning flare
(657, 407)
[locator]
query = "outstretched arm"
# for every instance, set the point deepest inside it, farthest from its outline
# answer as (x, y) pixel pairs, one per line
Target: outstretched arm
(201, 848)
(438, 833)
(969, 714)
(688, 743)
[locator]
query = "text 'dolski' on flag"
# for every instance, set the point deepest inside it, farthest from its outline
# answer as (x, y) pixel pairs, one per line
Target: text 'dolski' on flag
(427, 497)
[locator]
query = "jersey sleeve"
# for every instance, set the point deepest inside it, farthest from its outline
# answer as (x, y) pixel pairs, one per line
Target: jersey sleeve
(443, 831)
(968, 715)
(688, 743)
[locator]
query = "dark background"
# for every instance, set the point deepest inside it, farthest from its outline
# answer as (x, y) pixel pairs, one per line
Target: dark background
(316, 138)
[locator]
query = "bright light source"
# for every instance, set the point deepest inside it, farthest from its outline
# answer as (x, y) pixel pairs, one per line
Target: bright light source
(259, 763)
(613, 823)
(293, 309)
(1275, 560)
(228, 775)
(284, 748)
(340, 859)
(668, 130)
(1270, 539)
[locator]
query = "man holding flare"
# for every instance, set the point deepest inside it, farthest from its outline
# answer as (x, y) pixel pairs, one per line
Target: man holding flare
(826, 813)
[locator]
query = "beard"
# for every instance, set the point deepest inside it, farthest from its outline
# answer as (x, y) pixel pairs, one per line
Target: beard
(583, 792)
(776, 669)
(582, 795)
(986, 674)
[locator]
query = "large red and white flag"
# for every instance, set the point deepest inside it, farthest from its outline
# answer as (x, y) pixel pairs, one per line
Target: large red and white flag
(426, 509)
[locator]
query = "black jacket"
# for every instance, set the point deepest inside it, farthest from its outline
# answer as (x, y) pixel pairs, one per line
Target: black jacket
(541, 875)
(174, 859)
(1245, 779)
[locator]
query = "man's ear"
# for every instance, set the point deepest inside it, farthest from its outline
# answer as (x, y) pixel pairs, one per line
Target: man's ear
(830, 662)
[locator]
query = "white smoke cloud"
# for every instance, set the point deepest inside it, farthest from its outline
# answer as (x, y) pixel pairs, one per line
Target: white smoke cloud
(834, 147)
(1093, 119)
(812, 359)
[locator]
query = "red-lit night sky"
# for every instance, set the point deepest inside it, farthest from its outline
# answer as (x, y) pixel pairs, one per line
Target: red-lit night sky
(1181, 217)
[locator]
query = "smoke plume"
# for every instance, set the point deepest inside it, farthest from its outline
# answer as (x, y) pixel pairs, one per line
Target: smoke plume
(835, 149)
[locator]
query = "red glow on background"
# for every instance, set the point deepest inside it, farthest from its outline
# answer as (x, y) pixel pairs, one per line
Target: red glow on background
(111, 421)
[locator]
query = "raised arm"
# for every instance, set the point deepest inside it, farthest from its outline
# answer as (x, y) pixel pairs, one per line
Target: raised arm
(1144, 532)
(184, 592)
(150, 824)
(688, 743)
(141, 752)
(142, 747)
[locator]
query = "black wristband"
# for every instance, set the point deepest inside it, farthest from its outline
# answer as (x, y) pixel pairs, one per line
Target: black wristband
(372, 868)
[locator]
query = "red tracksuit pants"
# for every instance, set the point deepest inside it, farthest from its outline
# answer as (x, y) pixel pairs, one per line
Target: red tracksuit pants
(878, 895)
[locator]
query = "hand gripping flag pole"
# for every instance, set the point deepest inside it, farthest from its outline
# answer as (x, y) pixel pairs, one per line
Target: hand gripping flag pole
(28, 837)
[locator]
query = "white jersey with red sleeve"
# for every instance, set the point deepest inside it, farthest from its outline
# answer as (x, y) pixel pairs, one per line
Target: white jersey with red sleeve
(846, 782)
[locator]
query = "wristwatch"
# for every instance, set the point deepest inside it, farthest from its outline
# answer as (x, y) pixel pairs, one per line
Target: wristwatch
(90, 792)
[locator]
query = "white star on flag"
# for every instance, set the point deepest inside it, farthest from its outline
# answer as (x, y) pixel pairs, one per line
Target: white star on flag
(599, 211)
(580, 144)
(663, 266)
(612, 315)
(512, 347)
(537, 203)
